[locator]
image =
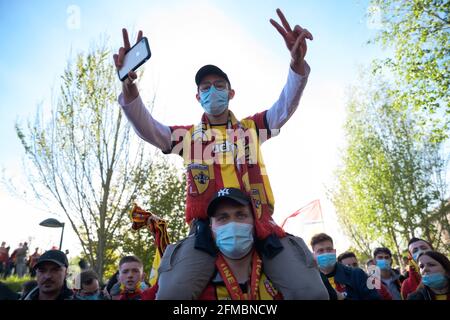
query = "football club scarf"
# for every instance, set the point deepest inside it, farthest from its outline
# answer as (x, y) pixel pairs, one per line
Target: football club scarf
(200, 142)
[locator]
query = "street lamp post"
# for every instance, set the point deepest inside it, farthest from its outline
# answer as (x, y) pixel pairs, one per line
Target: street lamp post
(53, 223)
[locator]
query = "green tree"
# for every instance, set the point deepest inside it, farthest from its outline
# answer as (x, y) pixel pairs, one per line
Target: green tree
(362, 257)
(163, 195)
(393, 174)
(418, 31)
(81, 157)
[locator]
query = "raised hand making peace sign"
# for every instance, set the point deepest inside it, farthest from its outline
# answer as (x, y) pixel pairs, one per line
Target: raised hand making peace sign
(295, 41)
(129, 89)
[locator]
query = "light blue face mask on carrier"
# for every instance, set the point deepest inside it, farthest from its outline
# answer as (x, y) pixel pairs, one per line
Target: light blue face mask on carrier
(417, 254)
(90, 297)
(326, 260)
(214, 101)
(435, 280)
(384, 264)
(234, 239)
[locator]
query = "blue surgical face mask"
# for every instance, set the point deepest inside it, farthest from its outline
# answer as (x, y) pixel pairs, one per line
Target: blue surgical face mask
(143, 285)
(326, 260)
(90, 297)
(214, 101)
(234, 239)
(418, 253)
(435, 280)
(384, 264)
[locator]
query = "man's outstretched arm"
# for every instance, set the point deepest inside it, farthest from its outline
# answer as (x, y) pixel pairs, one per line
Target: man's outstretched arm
(143, 123)
(299, 71)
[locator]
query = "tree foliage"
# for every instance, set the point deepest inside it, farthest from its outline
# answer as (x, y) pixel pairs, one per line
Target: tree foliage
(391, 185)
(164, 196)
(82, 161)
(418, 31)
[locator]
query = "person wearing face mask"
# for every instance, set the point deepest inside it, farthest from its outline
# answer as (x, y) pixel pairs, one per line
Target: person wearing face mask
(435, 271)
(416, 246)
(239, 269)
(349, 283)
(349, 259)
(89, 287)
(389, 277)
(224, 152)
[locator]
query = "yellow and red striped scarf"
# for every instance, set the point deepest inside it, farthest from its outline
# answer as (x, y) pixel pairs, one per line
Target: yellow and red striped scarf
(237, 172)
(158, 229)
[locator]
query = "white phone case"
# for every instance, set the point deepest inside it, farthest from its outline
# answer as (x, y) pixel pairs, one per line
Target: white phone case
(134, 58)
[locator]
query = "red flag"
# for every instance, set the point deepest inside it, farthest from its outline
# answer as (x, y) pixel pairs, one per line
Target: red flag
(311, 213)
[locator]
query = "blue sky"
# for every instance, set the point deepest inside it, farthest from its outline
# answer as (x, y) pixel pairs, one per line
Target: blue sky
(39, 38)
(38, 43)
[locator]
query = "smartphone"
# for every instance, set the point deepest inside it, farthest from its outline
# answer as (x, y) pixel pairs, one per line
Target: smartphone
(134, 58)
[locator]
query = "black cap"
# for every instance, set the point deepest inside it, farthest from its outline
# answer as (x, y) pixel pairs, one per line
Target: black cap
(229, 193)
(55, 256)
(210, 69)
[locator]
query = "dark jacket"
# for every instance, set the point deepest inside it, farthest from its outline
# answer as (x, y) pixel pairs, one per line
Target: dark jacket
(65, 294)
(331, 292)
(355, 282)
(423, 293)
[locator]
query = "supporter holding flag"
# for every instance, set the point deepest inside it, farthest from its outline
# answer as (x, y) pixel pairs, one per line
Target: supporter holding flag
(221, 151)
(239, 270)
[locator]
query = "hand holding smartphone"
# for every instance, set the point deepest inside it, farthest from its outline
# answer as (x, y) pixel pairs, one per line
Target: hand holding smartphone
(134, 58)
(130, 58)
(129, 89)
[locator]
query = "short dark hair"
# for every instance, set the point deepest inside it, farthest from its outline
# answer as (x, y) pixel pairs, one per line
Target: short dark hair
(370, 262)
(87, 277)
(414, 239)
(82, 264)
(345, 255)
(382, 250)
(321, 237)
(127, 259)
